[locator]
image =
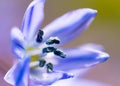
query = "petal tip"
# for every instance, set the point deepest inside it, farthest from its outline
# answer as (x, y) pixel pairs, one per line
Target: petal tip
(95, 12)
(105, 57)
(91, 11)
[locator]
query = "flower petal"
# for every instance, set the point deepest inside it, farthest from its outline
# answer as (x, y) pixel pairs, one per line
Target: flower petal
(18, 74)
(82, 57)
(70, 25)
(17, 42)
(50, 78)
(79, 72)
(78, 82)
(33, 18)
(17, 38)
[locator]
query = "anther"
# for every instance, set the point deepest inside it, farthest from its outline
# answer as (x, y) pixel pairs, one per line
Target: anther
(40, 32)
(49, 67)
(39, 36)
(42, 63)
(60, 53)
(53, 40)
(48, 49)
(39, 39)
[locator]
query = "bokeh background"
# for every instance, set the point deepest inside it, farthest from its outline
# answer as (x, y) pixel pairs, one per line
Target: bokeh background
(104, 30)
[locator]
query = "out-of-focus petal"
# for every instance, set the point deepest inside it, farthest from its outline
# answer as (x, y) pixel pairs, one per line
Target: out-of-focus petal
(18, 75)
(17, 42)
(17, 38)
(70, 25)
(33, 18)
(81, 57)
(78, 82)
(19, 52)
(50, 78)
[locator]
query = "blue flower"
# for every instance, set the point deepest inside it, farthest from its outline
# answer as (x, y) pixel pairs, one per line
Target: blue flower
(40, 62)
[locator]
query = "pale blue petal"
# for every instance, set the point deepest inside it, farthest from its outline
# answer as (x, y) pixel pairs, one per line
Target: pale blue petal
(79, 82)
(18, 74)
(50, 79)
(17, 42)
(18, 52)
(79, 72)
(17, 38)
(81, 57)
(70, 25)
(33, 18)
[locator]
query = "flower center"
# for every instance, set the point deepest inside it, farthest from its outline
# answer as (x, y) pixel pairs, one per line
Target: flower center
(38, 53)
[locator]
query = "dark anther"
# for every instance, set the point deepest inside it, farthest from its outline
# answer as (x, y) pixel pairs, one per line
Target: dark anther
(39, 36)
(53, 40)
(39, 39)
(41, 32)
(49, 67)
(56, 41)
(60, 53)
(48, 49)
(42, 63)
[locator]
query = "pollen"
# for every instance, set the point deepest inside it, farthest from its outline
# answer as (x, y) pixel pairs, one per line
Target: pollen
(34, 58)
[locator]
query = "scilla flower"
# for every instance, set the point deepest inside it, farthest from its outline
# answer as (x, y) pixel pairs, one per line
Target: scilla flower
(40, 60)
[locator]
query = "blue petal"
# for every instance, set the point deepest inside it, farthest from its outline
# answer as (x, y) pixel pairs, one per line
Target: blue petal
(18, 74)
(50, 78)
(81, 57)
(17, 42)
(17, 38)
(33, 18)
(70, 25)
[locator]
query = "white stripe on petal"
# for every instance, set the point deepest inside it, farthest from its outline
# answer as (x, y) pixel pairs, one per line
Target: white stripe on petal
(70, 25)
(33, 18)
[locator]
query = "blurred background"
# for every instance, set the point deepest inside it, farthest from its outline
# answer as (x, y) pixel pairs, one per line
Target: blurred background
(104, 30)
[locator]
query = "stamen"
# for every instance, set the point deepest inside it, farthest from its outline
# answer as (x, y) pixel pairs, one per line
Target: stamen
(41, 32)
(60, 53)
(39, 36)
(53, 40)
(49, 67)
(48, 49)
(42, 63)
